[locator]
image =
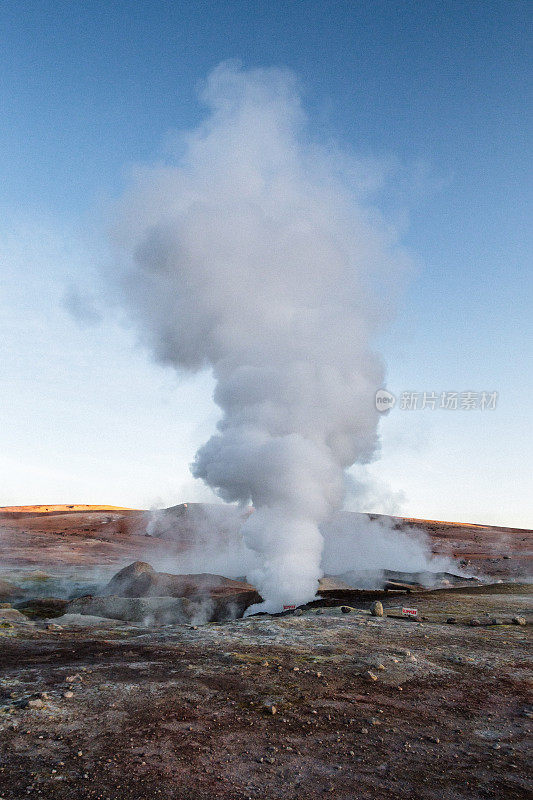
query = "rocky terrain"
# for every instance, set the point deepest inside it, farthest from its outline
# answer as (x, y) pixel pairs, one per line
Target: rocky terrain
(106, 537)
(327, 700)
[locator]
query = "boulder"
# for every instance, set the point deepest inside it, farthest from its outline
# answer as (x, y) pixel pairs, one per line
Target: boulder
(229, 598)
(43, 607)
(135, 580)
(376, 609)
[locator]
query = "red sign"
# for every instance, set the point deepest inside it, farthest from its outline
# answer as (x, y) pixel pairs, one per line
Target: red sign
(289, 608)
(410, 612)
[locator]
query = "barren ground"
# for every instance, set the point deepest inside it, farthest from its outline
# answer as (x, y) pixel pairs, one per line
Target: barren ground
(182, 712)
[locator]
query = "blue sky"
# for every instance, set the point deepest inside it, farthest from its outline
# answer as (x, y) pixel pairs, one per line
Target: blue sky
(437, 94)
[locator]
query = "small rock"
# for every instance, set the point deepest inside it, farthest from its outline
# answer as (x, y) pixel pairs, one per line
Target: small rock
(319, 611)
(519, 621)
(451, 621)
(475, 623)
(380, 667)
(376, 609)
(346, 609)
(68, 695)
(297, 612)
(369, 675)
(35, 703)
(271, 710)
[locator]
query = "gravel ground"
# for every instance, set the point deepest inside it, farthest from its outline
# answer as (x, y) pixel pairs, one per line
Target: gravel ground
(345, 705)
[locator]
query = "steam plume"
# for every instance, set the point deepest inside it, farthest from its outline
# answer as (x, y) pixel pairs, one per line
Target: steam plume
(254, 257)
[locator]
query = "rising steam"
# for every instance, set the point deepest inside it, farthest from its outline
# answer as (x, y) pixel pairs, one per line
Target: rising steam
(253, 256)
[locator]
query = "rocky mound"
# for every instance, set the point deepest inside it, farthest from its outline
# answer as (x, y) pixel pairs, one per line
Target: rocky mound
(142, 580)
(138, 593)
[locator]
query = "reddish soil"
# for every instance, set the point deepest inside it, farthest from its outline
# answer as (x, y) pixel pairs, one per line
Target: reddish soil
(115, 711)
(99, 536)
(187, 714)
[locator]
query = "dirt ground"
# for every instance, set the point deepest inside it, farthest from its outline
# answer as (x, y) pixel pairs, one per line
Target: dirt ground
(275, 707)
(296, 707)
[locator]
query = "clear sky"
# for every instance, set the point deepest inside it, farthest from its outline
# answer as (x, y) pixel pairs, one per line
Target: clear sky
(436, 94)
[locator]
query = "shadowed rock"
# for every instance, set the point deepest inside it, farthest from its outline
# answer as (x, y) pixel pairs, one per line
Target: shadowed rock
(225, 597)
(43, 607)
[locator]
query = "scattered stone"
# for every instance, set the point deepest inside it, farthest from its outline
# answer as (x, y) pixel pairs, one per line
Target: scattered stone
(297, 612)
(37, 703)
(475, 623)
(376, 609)
(451, 621)
(369, 675)
(519, 621)
(68, 695)
(347, 609)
